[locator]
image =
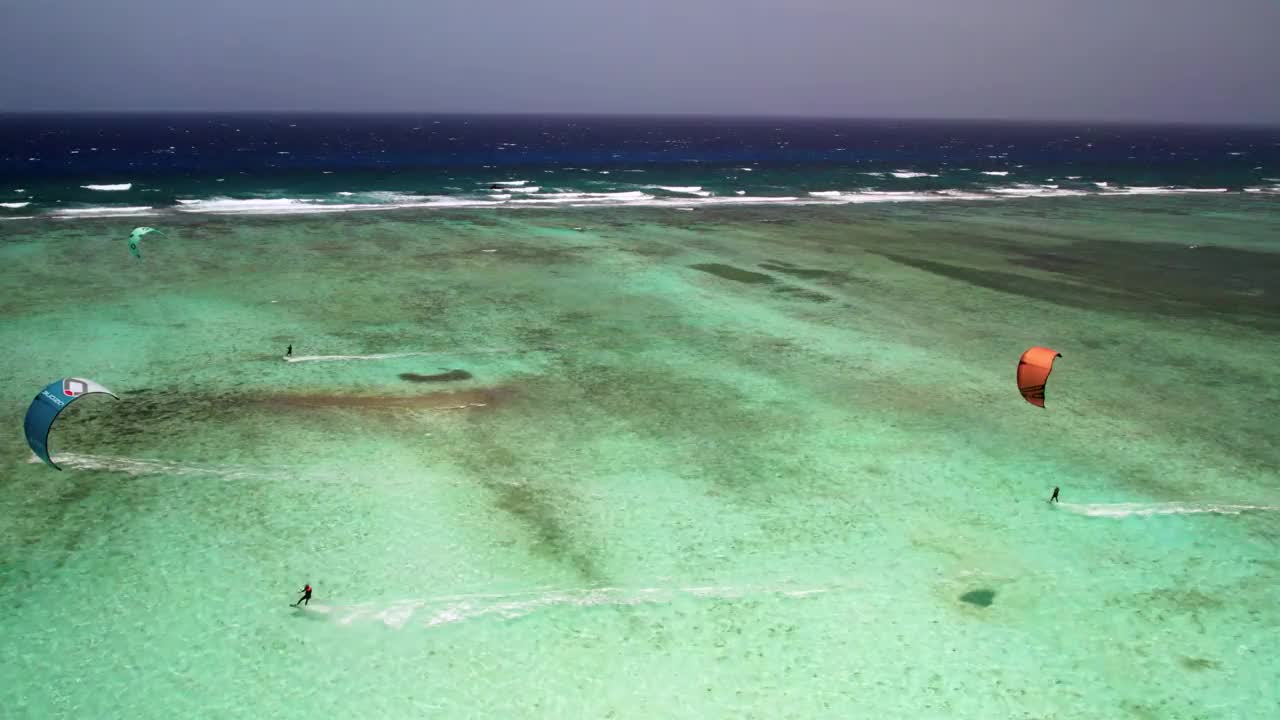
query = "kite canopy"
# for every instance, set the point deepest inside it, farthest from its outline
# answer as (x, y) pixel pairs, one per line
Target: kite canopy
(135, 240)
(1033, 370)
(53, 399)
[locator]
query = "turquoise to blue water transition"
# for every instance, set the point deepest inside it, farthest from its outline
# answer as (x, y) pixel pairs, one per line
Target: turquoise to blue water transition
(659, 453)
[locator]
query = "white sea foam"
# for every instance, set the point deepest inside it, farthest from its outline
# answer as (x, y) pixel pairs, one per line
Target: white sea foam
(747, 169)
(233, 206)
(736, 200)
(689, 190)
(299, 206)
(910, 174)
(452, 609)
(580, 197)
(1035, 191)
(1001, 173)
(14, 205)
(106, 211)
(108, 188)
(531, 196)
(1152, 190)
(880, 196)
(1124, 510)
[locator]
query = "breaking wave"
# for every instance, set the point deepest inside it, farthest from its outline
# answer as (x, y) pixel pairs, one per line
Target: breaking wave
(103, 211)
(519, 194)
(108, 188)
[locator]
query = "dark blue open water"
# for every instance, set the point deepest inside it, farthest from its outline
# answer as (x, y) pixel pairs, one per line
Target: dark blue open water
(75, 165)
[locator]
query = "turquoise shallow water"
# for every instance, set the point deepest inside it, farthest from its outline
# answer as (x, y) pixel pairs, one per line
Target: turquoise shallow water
(738, 462)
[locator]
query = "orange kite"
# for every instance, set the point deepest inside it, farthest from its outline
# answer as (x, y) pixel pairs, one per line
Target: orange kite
(1033, 370)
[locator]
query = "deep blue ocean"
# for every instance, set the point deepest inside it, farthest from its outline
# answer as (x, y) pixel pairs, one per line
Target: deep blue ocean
(86, 166)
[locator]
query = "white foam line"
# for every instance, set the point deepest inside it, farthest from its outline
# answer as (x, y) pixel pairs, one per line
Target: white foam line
(14, 205)
(1124, 510)
(690, 190)
(451, 609)
(108, 188)
(1032, 191)
(94, 212)
(615, 199)
(1144, 190)
(875, 196)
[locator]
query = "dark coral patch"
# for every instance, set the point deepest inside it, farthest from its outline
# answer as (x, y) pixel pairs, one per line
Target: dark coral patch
(981, 597)
(449, 376)
(729, 272)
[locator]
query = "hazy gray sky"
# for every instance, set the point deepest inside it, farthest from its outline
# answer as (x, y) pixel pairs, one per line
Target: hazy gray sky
(1181, 60)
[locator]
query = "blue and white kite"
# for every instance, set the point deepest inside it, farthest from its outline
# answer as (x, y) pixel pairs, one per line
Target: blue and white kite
(44, 409)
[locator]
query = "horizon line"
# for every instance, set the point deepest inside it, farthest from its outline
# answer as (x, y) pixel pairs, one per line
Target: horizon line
(1012, 120)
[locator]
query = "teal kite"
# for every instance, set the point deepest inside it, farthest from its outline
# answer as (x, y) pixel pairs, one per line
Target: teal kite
(135, 239)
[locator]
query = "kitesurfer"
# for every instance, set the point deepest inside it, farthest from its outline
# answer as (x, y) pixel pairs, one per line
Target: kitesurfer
(306, 597)
(1054, 496)
(289, 352)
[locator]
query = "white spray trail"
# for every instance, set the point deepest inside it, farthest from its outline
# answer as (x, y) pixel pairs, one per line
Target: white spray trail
(447, 610)
(1124, 510)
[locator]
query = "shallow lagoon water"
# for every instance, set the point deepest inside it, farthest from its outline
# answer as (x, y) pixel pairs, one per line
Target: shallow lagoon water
(736, 462)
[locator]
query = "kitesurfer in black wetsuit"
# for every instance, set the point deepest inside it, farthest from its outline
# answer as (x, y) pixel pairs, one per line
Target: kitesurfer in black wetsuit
(306, 597)
(1054, 496)
(289, 352)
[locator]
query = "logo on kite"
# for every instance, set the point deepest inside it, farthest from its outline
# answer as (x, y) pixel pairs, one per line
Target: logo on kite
(1033, 371)
(71, 387)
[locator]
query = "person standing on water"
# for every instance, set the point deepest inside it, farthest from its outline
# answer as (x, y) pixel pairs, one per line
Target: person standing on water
(1054, 496)
(289, 352)
(306, 597)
